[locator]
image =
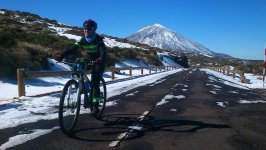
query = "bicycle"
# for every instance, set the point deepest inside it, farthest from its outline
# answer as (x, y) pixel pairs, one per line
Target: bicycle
(70, 101)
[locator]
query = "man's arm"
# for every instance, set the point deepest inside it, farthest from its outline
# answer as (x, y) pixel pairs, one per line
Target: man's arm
(70, 51)
(102, 50)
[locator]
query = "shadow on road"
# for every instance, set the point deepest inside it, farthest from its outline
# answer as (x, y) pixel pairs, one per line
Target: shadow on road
(187, 125)
(116, 124)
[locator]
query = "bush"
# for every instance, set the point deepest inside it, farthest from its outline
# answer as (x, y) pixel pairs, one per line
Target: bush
(11, 59)
(128, 54)
(111, 59)
(154, 60)
(7, 39)
(19, 49)
(5, 61)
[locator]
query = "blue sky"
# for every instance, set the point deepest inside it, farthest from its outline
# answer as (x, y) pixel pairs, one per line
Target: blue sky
(234, 27)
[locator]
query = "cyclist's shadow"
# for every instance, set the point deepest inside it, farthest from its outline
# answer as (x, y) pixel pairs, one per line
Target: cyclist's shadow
(130, 125)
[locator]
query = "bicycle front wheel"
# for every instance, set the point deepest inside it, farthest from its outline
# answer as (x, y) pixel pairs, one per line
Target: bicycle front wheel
(69, 106)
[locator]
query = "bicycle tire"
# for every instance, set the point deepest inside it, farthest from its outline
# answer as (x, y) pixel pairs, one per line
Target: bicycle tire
(73, 106)
(103, 99)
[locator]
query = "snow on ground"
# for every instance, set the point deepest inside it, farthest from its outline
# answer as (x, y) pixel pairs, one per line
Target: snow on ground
(113, 43)
(22, 138)
(222, 104)
(2, 12)
(215, 86)
(61, 31)
(169, 97)
(132, 94)
(31, 109)
(165, 58)
(250, 102)
(255, 81)
(213, 92)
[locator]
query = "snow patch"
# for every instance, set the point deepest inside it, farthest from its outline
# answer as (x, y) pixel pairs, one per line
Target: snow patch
(222, 104)
(216, 86)
(23, 138)
(213, 92)
(132, 94)
(2, 12)
(184, 90)
(229, 80)
(111, 103)
(234, 92)
(113, 43)
(167, 97)
(251, 102)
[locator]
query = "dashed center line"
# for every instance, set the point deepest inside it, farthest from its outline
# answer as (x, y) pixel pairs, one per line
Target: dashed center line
(130, 129)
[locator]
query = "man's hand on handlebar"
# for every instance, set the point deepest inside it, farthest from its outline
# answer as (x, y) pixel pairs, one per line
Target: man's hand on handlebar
(58, 57)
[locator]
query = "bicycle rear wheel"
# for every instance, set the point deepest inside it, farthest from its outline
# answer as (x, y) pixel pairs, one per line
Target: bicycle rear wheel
(102, 101)
(69, 106)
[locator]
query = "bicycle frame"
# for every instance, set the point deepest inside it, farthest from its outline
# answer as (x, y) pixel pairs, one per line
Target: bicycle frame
(80, 73)
(70, 100)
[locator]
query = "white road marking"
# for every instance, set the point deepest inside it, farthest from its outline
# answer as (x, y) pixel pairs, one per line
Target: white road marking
(131, 128)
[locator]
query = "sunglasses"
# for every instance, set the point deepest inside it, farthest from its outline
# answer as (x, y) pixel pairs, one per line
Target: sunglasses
(89, 29)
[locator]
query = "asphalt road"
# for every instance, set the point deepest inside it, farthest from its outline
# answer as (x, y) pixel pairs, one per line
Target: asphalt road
(188, 118)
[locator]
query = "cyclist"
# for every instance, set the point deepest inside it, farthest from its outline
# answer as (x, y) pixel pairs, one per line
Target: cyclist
(92, 48)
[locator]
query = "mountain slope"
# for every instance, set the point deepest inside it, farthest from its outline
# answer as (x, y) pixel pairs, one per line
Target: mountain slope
(161, 37)
(27, 40)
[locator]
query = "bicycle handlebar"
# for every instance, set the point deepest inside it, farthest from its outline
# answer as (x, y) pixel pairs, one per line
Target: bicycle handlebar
(74, 62)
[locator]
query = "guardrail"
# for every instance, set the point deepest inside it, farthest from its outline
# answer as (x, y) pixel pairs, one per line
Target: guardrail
(226, 70)
(22, 75)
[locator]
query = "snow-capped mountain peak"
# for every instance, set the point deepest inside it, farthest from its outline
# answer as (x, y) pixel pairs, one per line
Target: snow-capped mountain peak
(159, 36)
(158, 25)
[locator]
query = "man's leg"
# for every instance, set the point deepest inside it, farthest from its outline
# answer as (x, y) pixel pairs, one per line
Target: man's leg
(97, 72)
